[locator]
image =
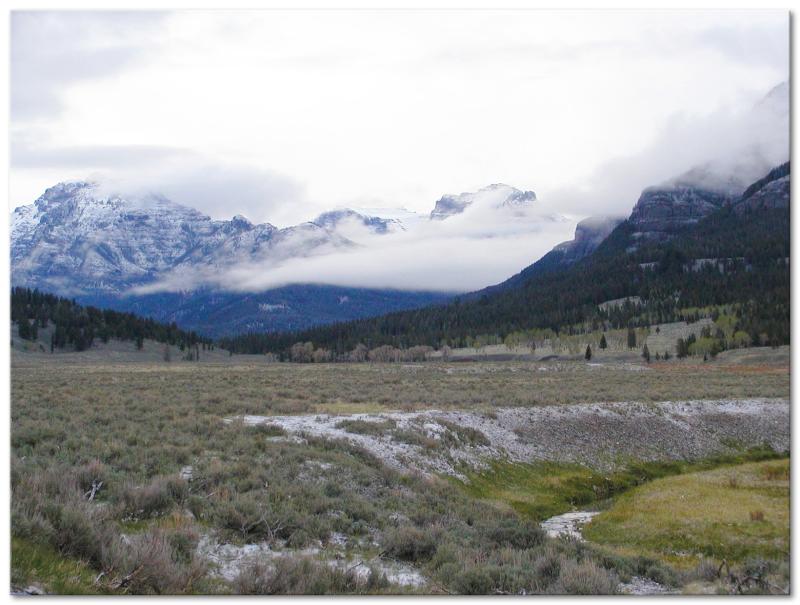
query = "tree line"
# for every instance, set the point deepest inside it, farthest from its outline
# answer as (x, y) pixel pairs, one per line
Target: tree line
(78, 327)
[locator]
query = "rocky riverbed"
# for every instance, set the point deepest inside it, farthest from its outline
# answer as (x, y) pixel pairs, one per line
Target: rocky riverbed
(599, 435)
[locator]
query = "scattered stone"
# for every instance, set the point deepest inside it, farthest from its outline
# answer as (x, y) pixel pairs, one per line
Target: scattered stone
(644, 586)
(598, 435)
(568, 524)
(29, 591)
(229, 560)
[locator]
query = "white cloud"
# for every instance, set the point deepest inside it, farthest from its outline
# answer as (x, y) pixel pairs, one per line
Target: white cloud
(738, 145)
(465, 252)
(385, 108)
(51, 51)
(214, 187)
(280, 115)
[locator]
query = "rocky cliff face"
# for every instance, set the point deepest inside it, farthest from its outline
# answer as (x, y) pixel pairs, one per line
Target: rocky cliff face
(589, 234)
(660, 211)
(720, 181)
(773, 191)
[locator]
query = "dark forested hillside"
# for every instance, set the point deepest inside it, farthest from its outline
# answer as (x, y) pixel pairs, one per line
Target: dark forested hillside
(737, 254)
(77, 326)
(292, 307)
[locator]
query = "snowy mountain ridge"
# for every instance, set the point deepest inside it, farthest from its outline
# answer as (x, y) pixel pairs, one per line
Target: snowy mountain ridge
(79, 238)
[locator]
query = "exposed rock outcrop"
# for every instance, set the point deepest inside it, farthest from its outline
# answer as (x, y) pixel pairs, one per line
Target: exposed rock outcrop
(661, 211)
(773, 191)
(589, 234)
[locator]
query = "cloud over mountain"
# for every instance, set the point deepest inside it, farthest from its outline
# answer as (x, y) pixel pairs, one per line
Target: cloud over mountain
(86, 237)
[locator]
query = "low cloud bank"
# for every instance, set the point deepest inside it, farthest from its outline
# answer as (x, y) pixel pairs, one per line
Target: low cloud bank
(467, 254)
(729, 148)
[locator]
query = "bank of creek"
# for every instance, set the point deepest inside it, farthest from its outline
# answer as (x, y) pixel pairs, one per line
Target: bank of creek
(599, 436)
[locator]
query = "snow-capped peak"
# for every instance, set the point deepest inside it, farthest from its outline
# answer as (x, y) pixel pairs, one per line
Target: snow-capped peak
(78, 236)
(494, 196)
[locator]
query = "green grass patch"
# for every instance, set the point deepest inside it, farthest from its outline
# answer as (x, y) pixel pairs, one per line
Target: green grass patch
(42, 565)
(543, 489)
(735, 513)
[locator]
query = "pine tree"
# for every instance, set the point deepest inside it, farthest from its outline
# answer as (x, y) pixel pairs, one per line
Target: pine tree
(24, 329)
(646, 353)
(588, 354)
(631, 338)
(603, 343)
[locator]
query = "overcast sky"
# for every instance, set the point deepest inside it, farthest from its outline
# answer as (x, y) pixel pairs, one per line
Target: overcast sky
(278, 115)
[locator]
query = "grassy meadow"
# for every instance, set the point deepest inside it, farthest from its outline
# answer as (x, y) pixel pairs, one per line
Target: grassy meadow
(122, 472)
(731, 513)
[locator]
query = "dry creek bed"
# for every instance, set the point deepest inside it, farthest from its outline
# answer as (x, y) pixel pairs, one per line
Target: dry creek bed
(599, 435)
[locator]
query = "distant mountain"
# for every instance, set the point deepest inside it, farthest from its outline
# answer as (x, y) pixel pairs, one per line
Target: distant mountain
(79, 241)
(149, 255)
(713, 251)
(75, 239)
(589, 234)
(334, 219)
(215, 313)
(497, 196)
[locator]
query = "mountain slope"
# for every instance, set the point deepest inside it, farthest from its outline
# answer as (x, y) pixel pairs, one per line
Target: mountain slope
(734, 254)
(76, 238)
(589, 234)
(217, 314)
(163, 260)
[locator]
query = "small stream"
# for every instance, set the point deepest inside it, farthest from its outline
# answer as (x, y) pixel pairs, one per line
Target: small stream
(570, 524)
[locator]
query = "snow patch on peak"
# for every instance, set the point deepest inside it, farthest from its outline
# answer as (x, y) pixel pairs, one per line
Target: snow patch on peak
(79, 235)
(495, 196)
(351, 221)
(241, 222)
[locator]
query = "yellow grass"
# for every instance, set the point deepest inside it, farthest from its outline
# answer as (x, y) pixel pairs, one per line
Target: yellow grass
(708, 514)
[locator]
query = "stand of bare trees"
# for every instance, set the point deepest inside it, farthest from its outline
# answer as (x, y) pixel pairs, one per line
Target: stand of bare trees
(305, 352)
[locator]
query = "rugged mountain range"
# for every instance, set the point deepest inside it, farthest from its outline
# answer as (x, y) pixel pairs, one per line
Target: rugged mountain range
(161, 259)
(685, 250)
(76, 239)
(115, 251)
